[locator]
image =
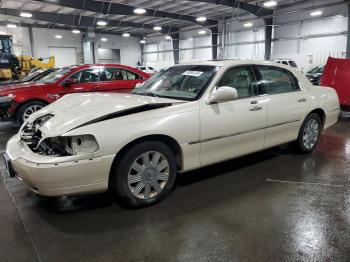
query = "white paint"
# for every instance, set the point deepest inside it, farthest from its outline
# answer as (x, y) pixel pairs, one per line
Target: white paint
(64, 56)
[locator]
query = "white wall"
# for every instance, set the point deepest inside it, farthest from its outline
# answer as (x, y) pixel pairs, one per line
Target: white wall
(130, 49)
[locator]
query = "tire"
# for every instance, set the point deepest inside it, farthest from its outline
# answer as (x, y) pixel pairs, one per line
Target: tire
(303, 144)
(136, 183)
(27, 109)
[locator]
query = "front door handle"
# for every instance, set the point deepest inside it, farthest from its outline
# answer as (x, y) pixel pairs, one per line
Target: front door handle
(255, 108)
(302, 100)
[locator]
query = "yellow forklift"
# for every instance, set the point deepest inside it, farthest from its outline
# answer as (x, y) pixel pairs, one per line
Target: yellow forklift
(13, 67)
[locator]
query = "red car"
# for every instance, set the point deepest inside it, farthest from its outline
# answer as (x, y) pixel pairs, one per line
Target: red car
(20, 101)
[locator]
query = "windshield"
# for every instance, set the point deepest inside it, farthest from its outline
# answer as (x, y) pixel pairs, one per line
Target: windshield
(54, 76)
(179, 82)
(316, 70)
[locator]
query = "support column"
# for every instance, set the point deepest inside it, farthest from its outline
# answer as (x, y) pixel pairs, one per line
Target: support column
(268, 37)
(31, 41)
(176, 47)
(214, 42)
(348, 36)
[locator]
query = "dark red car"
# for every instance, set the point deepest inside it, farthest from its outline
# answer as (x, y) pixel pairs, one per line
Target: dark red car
(20, 101)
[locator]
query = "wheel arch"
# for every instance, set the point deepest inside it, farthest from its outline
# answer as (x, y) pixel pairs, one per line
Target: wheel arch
(321, 113)
(20, 104)
(166, 139)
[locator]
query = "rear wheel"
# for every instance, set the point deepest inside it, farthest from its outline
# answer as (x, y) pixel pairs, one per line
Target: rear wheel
(309, 134)
(144, 174)
(27, 109)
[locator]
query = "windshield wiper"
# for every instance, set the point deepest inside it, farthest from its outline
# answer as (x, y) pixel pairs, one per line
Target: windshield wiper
(146, 94)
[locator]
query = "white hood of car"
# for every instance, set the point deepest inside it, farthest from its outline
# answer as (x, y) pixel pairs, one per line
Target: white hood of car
(75, 110)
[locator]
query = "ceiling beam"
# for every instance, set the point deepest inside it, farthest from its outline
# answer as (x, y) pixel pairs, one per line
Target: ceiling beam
(80, 21)
(253, 9)
(111, 8)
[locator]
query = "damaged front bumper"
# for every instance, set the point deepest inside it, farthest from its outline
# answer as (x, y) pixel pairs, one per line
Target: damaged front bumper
(58, 176)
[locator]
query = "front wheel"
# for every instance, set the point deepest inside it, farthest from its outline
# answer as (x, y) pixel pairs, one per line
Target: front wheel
(144, 174)
(309, 134)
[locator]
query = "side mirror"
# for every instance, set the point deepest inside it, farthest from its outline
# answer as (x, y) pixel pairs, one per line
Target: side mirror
(223, 94)
(69, 81)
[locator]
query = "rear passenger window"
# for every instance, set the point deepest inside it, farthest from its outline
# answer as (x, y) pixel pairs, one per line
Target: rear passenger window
(113, 74)
(240, 78)
(277, 80)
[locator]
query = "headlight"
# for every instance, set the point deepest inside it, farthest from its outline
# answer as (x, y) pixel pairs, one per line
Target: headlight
(65, 146)
(9, 98)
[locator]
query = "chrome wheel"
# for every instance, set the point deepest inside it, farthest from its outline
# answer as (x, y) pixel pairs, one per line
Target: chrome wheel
(148, 175)
(30, 110)
(311, 133)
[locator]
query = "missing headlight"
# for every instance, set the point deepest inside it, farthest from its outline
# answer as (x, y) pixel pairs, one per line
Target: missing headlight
(67, 146)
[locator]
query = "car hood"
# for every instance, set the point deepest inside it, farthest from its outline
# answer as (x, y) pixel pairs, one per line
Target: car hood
(77, 110)
(19, 87)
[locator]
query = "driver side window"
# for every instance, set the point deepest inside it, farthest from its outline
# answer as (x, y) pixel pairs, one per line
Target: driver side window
(240, 78)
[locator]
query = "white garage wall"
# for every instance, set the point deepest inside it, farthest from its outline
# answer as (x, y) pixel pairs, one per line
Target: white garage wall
(311, 41)
(130, 49)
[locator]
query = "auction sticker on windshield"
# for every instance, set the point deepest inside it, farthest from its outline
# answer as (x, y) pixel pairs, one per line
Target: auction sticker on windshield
(192, 73)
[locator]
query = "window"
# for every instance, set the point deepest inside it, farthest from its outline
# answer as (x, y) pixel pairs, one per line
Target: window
(285, 62)
(277, 80)
(86, 76)
(113, 74)
(240, 78)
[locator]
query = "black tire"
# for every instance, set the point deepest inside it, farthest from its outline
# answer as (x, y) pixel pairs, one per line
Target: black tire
(299, 145)
(119, 185)
(23, 108)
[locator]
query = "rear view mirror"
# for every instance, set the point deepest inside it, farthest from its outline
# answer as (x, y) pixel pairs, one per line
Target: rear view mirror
(223, 94)
(69, 81)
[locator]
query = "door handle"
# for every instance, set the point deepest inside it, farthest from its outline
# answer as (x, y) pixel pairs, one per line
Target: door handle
(301, 100)
(255, 108)
(254, 102)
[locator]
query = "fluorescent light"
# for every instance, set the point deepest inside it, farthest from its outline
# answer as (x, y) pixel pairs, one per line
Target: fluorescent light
(139, 11)
(202, 32)
(26, 14)
(270, 3)
(168, 37)
(101, 22)
(11, 26)
(76, 31)
(58, 36)
(316, 13)
(126, 34)
(103, 39)
(143, 41)
(157, 28)
(201, 19)
(248, 25)
(2, 33)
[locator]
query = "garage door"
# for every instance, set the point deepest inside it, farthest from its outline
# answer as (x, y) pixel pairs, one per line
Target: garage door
(64, 56)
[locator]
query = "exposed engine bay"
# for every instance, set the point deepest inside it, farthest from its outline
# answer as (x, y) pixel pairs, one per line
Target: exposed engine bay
(56, 146)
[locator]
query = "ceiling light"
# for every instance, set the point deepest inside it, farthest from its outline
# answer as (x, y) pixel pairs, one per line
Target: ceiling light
(101, 22)
(270, 3)
(168, 37)
(139, 11)
(11, 26)
(58, 36)
(143, 41)
(2, 33)
(103, 39)
(316, 13)
(76, 31)
(248, 25)
(26, 14)
(202, 32)
(126, 34)
(157, 28)
(201, 19)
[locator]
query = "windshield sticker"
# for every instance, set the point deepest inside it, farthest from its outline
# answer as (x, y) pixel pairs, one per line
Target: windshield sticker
(192, 73)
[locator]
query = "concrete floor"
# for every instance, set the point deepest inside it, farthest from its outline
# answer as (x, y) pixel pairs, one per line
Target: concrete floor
(270, 206)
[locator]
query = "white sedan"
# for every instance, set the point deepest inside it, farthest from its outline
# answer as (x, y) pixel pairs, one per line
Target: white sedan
(186, 117)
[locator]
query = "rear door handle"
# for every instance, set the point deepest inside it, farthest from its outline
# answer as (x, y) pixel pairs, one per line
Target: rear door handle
(255, 108)
(301, 100)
